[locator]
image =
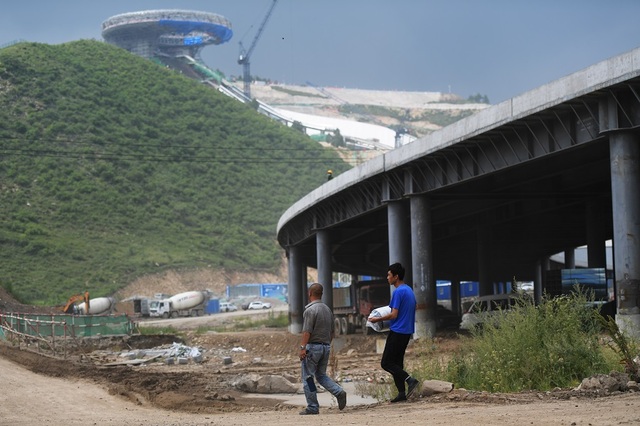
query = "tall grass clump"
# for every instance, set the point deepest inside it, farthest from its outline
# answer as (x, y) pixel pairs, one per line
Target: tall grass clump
(624, 346)
(553, 344)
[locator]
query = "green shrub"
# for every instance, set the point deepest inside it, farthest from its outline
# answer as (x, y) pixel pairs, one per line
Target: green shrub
(554, 344)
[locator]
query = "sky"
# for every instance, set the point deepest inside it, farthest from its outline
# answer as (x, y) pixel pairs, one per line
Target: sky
(497, 48)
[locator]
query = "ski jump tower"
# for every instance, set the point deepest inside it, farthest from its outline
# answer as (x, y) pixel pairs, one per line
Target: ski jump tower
(166, 32)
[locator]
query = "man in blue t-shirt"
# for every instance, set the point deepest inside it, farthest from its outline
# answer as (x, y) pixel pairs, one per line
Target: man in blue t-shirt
(402, 326)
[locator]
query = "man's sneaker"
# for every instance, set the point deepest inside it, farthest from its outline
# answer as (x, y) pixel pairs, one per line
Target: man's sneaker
(342, 400)
(413, 384)
(401, 397)
(306, 412)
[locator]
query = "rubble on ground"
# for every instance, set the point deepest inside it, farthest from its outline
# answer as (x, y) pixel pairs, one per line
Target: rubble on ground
(268, 383)
(608, 383)
(176, 353)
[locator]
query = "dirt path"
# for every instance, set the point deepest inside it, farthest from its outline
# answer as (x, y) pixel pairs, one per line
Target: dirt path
(28, 399)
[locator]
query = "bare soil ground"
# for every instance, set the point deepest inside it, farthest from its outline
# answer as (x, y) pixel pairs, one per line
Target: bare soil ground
(81, 389)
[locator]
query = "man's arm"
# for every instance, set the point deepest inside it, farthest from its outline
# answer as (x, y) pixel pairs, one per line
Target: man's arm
(392, 315)
(303, 344)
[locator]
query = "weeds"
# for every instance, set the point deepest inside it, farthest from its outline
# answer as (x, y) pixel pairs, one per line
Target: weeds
(379, 391)
(626, 348)
(554, 344)
(147, 331)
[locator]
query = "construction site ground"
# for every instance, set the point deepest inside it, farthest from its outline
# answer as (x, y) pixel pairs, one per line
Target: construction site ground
(83, 389)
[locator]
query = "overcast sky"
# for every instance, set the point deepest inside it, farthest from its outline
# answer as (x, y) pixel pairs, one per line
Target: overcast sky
(498, 48)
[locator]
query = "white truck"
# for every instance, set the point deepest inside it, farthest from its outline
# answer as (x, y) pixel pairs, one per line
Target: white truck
(187, 304)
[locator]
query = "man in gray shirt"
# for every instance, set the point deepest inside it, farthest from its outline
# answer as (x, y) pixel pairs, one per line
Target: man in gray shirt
(315, 347)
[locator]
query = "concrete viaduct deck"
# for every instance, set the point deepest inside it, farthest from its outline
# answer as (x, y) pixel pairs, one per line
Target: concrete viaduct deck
(489, 198)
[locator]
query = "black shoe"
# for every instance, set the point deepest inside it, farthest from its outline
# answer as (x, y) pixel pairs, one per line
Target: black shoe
(342, 400)
(413, 384)
(306, 412)
(401, 397)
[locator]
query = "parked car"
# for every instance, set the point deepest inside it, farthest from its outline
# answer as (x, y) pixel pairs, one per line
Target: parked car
(257, 304)
(227, 307)
(486, 307)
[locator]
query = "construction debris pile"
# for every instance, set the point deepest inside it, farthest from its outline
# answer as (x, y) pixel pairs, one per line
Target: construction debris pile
(176, 353)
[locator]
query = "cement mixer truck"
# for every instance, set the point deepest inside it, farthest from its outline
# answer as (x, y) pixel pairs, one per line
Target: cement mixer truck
(97, 306)
(187, 304)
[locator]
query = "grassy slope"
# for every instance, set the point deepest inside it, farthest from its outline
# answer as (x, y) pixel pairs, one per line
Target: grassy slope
(112, 166)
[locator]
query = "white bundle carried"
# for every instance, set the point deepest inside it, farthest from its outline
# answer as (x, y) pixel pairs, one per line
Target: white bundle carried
(381, 326)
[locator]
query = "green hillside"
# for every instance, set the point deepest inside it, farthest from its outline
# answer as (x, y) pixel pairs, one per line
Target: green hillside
(112, 167)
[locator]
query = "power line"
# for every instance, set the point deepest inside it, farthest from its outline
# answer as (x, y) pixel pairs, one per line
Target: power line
(205, 154)
(159, 158)
(156, 146)
(149, 145)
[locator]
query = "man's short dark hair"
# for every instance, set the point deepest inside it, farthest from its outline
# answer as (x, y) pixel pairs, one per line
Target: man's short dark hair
(396, 269)
(316, 289)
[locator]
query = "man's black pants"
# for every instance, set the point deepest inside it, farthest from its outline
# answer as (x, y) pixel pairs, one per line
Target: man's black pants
(393, 358)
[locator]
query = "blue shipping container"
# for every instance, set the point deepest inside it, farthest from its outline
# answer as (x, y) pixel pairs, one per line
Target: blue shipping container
(213, 307)
(443, 289)
(469, 289)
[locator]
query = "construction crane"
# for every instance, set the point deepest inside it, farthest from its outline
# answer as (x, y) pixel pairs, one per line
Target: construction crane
(245, 55)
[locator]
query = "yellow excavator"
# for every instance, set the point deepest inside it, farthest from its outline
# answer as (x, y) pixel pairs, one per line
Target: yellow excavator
(71, 303)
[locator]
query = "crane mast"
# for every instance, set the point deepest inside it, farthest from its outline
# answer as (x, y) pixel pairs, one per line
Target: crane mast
(245, 55)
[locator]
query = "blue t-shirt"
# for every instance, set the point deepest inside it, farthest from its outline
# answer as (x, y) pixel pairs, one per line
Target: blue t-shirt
(404, 301)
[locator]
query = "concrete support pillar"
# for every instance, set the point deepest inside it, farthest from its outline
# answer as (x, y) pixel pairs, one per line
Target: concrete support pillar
(570, 258)
(424, 284)
(297, 290)
(596, 235)
(325, 277)
(455, 297)
(624, 150)
(538, 280)
(399, 237)
(484, 261)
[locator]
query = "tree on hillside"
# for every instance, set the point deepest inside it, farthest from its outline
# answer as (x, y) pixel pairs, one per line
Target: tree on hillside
(296, 125)
(479, 99)
(336, 139)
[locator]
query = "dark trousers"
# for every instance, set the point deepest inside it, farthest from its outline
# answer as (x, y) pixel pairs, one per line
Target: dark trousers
(393, 358)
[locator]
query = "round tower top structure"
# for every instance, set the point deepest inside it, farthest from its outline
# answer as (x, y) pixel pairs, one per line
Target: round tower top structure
(166, 32)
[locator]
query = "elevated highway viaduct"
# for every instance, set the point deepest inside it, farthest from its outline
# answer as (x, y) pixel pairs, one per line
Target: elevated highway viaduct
(489, 198)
